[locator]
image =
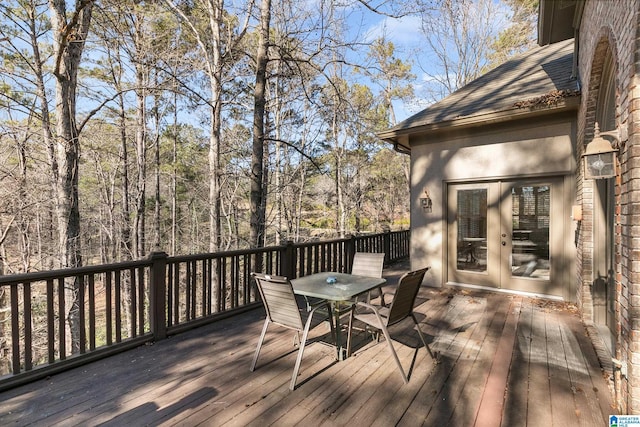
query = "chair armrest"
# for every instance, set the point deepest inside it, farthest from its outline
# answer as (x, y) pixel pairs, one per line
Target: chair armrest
(312, 302)
(318, 305)
(371, 307)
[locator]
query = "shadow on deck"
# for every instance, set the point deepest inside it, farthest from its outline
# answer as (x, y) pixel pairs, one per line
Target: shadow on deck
(502, 360)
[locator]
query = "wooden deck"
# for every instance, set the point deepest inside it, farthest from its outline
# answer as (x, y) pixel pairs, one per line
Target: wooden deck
(502, 361)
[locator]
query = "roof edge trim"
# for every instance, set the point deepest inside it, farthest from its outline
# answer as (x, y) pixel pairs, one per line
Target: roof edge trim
(400, 138)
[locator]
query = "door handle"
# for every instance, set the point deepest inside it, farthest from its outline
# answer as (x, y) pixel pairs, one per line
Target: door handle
(504, 243)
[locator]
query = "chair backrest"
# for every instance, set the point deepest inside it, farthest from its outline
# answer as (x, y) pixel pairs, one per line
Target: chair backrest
(367, 264)
(279, 300)
(405, 296)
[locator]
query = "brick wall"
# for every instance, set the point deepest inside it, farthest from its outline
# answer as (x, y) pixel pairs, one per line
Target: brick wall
(614, 25)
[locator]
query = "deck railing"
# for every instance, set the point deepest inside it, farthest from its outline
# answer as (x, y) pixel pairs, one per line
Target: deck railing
(115, 307)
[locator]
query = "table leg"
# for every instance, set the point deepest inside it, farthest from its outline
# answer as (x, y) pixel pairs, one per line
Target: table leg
(341, 351)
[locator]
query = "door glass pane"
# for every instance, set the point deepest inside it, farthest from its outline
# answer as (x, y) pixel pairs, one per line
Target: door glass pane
(531, 208)
(472, 230)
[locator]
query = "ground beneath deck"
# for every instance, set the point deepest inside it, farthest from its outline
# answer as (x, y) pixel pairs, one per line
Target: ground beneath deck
(500, 361)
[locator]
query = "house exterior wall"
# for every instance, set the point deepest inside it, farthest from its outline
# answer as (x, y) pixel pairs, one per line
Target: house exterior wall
(614, 25)
(490, 152)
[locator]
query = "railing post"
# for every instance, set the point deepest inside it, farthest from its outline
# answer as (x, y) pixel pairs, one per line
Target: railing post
(288, 260)
(158, 295)
(386, 241)
(350, 251)
(407, 243)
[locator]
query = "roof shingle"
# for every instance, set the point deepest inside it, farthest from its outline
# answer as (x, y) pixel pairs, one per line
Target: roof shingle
(543, 73)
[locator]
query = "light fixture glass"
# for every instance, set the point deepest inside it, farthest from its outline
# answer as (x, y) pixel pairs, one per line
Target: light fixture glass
(599, 158)
(425, 202)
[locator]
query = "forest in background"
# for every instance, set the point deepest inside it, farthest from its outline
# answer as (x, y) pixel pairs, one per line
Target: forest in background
(129, 126)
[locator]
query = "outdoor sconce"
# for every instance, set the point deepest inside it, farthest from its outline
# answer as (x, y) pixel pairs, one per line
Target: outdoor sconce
(425, 202)
(576, 212)
(599, 157)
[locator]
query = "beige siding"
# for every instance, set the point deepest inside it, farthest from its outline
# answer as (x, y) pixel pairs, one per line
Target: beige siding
(497, 152)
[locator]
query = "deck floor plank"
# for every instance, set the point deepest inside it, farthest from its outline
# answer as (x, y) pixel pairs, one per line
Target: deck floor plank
(249, 388)
(599, 396)
(367, 400)
(466, 413)
(451, 340)
(492, 401)
(474, 327)
(588, 408)
(517, 390)
(381, 405)
(539, 394)
(192, 384)
(563, 410)
(373, 367)
(201, 377)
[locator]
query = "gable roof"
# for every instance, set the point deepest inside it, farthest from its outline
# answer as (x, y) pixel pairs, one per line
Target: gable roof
(536, 82)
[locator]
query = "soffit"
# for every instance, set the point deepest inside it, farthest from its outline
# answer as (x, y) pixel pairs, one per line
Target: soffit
(557, 20)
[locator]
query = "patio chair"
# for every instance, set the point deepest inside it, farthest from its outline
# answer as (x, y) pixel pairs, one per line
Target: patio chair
(401, 307)
(364, 264)
(370, 265)
(282, 309)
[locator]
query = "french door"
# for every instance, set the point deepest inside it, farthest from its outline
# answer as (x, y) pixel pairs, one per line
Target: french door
(506, 234)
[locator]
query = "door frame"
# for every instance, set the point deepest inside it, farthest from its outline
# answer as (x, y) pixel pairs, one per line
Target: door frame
(498, 198)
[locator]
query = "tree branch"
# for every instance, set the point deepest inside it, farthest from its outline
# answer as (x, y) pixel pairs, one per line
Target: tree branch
(303, 154)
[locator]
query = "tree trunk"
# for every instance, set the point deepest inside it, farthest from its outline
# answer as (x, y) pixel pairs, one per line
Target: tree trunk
(338, 156)
(141, 163)
(215, 69)
(214, 178)
(68, 47)
(5, 320)
(257, 157)
(174, 178)
(126, 249)
(156, 222)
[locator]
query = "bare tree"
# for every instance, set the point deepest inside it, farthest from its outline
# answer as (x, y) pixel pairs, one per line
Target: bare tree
(458, 35)
(217, 41)
(69, 34)
(256, 238)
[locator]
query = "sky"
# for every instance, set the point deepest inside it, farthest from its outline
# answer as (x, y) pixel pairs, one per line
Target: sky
(409, 42)
(404, 33)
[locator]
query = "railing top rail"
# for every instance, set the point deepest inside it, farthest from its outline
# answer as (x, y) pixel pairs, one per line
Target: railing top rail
(223, 254)
(342, 240)
(319, 242)
(69, 272)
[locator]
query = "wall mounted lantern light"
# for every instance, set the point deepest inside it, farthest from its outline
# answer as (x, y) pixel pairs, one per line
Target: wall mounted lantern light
(599, 156)
(425, 202)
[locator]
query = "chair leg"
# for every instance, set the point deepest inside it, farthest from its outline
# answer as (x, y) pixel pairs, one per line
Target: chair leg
(257, 353)
(303, 342)
(382, 297)
(393, 352)
(350, 331)
(331, 325)
(421, 336)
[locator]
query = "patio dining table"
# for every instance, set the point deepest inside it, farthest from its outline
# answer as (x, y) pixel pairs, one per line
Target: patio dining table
(339, 289)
